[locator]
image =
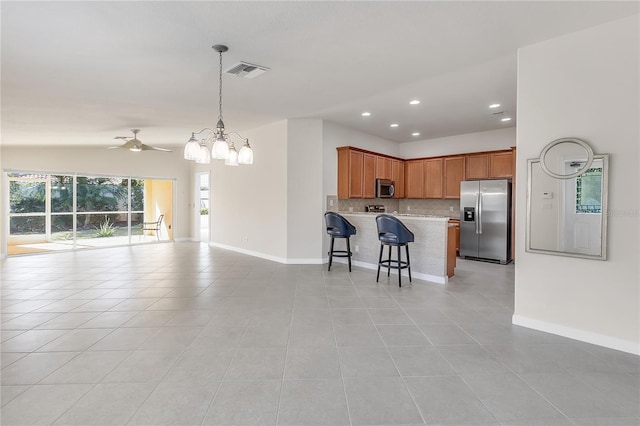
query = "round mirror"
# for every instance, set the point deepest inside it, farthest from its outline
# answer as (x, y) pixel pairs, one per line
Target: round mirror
(566, 158)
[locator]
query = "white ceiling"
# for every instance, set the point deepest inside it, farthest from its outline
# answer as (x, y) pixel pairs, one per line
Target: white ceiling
(80, 73)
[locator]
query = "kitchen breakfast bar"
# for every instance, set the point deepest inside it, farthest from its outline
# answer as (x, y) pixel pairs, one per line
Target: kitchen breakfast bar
(433, 253)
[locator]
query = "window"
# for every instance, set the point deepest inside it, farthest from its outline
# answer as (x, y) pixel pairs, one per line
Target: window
(62, 211)
(589, 191)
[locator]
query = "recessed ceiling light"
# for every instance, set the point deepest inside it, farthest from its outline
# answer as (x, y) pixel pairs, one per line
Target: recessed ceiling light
(366, 114)
(414, 102)
(494, 106)
(393, 125)
(415, 134)
(505, 119)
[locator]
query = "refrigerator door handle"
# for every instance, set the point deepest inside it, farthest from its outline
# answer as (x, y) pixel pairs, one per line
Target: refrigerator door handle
(479, 222)
(477, 213)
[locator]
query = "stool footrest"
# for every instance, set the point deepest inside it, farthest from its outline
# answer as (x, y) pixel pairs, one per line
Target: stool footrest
(393, 264)
(340, 253)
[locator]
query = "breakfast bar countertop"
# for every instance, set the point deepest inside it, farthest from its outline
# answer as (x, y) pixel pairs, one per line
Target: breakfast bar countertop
(428, 252)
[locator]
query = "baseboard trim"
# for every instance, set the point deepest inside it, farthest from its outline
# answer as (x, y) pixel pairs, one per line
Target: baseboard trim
(426, 277)
(249, 252)
(182, 239)
(576, 334)
(309, 261)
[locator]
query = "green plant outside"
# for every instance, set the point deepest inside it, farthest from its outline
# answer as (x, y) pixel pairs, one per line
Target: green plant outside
(106, 229)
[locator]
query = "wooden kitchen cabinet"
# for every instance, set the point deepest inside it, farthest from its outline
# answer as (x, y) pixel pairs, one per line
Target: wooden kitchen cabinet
(397, 175)
(433, 178)
(477, 166)
(414, 179)
(383, 167)
(369, 176)
(350, 173)
(501, 164)
(453, 175)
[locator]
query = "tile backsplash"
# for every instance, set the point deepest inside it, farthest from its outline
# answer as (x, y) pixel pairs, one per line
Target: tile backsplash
(357, 206)
(449, 208)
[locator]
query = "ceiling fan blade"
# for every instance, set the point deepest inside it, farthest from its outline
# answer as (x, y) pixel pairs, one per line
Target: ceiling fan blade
(114, 147)
(146, 147)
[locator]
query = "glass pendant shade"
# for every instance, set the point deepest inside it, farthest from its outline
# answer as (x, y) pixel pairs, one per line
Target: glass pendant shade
(192, 149)
(245, 156)
(205, 156)
(232, 158)
(220, 149)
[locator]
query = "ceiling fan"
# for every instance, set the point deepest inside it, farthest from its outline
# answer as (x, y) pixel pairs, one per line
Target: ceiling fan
(135, 144)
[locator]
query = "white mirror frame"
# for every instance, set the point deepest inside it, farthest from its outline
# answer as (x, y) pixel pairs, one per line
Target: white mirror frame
(603, 222)
(583, 144)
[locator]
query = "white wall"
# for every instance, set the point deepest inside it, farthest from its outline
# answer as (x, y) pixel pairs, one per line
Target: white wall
(491, 140)
(152, 164)
(584, 85)
(249, 203)
(305, 201)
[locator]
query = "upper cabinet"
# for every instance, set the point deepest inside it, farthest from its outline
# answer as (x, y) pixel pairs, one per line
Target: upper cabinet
(453, 175)
(383, 167)
(397, 176)
(477, 166)
(433, 178)
(350, 173)
(368, 176)
(358, 170)
(437, 177)
(414, 179)
(489, 165)
(501, 164)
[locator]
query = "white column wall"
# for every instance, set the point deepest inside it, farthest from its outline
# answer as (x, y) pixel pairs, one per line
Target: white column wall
(249, 203)
(491, 140)
(115, 162)
(305, 201)
(584, 85)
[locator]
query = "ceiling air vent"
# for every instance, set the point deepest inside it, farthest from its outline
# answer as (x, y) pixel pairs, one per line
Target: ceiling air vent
(246, 70)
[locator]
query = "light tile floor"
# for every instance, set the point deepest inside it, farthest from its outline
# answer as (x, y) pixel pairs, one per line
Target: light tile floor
(181, 333)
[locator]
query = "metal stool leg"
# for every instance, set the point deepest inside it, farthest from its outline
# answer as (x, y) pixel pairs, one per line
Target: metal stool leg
(379, 260)
(389, 262)
(399, 268)
(349, 253)
(408, 263)
(331, 253)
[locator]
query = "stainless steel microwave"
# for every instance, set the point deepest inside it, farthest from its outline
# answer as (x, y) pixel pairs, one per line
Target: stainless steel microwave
(385, 188)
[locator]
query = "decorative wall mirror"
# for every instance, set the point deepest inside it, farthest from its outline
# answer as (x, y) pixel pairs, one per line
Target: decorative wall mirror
(567, 201)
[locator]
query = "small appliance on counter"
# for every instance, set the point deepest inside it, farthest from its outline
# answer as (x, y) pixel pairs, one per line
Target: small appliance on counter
(375, 208)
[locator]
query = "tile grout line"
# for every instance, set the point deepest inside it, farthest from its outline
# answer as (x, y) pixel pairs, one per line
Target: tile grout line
(286, 355)
(335, 338)
(226, 371)
(395, 365)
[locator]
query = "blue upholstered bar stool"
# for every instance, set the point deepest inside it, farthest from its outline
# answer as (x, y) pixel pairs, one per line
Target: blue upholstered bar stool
(339, 227)
(393, 233)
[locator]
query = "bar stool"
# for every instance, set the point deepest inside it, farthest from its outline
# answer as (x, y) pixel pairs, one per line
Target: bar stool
(393, 233)
(339, 227)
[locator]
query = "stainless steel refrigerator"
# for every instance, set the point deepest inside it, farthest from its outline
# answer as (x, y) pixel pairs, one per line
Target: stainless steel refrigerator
(485, 220)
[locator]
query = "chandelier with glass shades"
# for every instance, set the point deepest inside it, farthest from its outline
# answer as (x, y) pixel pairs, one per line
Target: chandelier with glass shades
(222, 147)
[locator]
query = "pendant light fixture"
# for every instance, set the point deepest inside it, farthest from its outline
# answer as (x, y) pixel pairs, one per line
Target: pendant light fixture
(222, 147)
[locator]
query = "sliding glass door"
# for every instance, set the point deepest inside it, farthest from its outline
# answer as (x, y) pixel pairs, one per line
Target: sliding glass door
(64, 211)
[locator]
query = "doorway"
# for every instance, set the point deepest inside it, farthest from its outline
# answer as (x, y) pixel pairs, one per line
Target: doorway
(202, 213)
